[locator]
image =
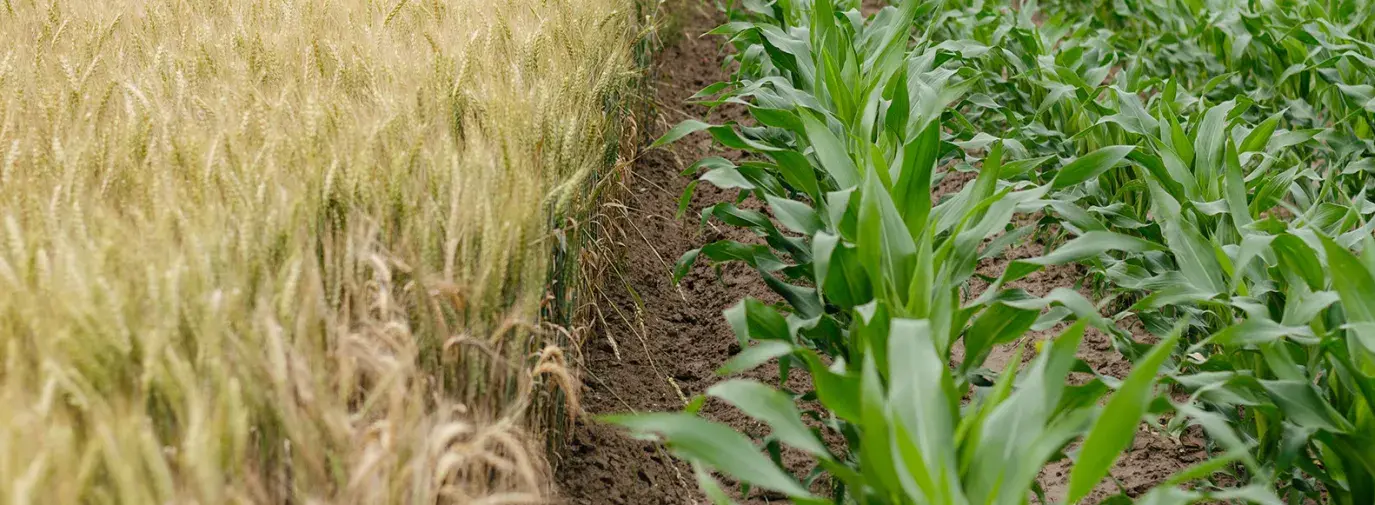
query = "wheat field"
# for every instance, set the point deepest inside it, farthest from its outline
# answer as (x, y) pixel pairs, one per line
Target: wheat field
(295, 250)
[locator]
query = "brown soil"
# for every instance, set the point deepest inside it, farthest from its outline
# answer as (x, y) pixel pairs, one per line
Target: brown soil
(661, 343)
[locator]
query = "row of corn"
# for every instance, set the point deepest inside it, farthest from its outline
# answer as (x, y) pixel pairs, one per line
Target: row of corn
(1206, 163)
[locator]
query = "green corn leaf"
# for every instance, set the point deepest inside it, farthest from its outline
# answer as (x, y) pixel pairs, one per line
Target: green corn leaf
(912, 191)
(1115, 428)
(777, 118)
(798, 172)
(1090, 166)
(758, 256)
(685, 199)
(1069, 299)
(997, 325)
(795, 215)
(1353, 282)
(679, 131)
(725, 29)
(1019, 435)
(970, 435)
(1185, 185)
(753, 356)
(1174, 294)
(1195, 255)
(824, 246)
(1076, 217)
(1201, 470)
(1295, 137)
(1167, 495)
(1154, 163)
(1298, 262)
(1177, 141)
(840, 208)
(1302, 309)
(1259, 331)
(877, 463)
(838, 273)
(877, 164)
(716, 445)
(986, 183)
(839, 392)
(1164, 495)
(1017, 168)
(773, 408)
(684, 264)
(994, 214)
(1356, 287)
(891, 43)
(1236, 190)
(838, 82)
(1251, 248)
(1094, 243)
(744, 218)
(870, 333)
(709, 486)
(709, 163)
(804, 300)
(1260, 137)
(886, 248)
(727, 178)
(1218, 428)
(752, 319)
(1254, 494)
(899, 109)
(831, 151)
(1209, 138)
(1224, 388)
(923, 403)
(1086, 246)
(1303, 405)
(726, 135)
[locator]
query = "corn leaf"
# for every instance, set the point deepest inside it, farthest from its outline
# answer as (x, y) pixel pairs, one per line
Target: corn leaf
(831, 151)
(1090, 166)
(773, 408)
(716, 445)
(679, 131)
(923, 405)
(1115, 428)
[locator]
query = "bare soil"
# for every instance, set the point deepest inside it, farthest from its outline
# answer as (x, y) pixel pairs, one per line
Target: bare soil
(661, 343)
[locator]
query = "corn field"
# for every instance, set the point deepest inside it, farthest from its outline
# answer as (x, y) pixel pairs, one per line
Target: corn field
(348, 251)
(1207, 163)
(298, 251)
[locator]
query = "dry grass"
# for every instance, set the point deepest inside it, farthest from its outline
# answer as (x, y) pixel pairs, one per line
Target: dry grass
(291, 250)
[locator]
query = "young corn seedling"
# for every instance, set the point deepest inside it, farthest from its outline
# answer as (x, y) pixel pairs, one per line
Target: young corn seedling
(908, 439)
(863, 228)
(1275, 349)
(850, 118)
(1313, 60)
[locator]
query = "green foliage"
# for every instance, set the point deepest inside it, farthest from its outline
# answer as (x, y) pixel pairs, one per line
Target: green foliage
(1208, 162)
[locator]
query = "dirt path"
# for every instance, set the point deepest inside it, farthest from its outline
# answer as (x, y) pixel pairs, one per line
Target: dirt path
(660, 344)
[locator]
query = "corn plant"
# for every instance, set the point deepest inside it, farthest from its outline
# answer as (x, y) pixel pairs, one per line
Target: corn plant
(868, 230)
(910, 440)
(1061, 84)
(850, 117)
(1311, 59)
(1236, 248)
